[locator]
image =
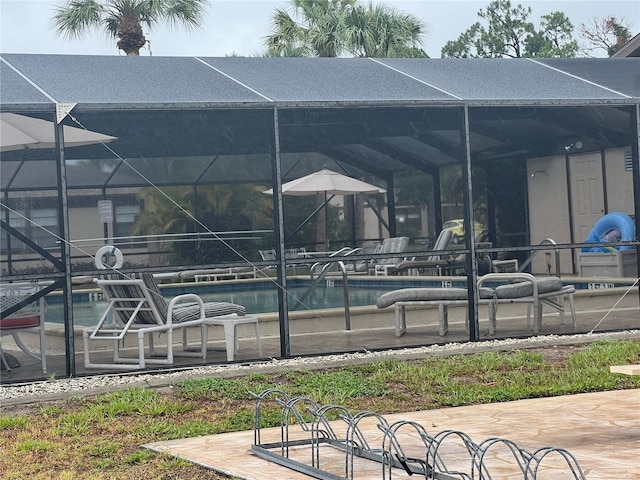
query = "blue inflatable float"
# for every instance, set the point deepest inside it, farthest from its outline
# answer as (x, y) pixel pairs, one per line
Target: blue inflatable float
(605, 230)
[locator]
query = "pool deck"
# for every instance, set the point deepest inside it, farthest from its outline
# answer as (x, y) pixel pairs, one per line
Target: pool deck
(601, 430)
(323, 332)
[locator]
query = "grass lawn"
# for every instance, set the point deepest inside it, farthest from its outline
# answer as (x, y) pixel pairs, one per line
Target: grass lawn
(100, 437)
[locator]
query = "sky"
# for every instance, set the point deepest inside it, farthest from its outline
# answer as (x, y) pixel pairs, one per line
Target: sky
(240, 26)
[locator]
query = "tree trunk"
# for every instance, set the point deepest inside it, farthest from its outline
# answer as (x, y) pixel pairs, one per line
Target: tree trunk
(130, 36)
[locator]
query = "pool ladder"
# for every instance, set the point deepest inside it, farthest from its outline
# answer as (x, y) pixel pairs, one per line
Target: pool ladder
(546, 241)
(325, 267)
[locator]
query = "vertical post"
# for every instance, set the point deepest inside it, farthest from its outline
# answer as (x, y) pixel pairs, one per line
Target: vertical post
(635, 172)
(391, 206)
(65, 251)
(437, 197)
(196, 227)
(471, 265)
(105, 225)
(350, 204)
(276, 178)
(8, 235)
(326, 222)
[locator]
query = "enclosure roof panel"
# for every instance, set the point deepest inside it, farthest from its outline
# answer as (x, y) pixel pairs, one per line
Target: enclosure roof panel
(324, 79)
(619, 74)
(15, 89)
(188, 82)
(86, 79)
(504, 80)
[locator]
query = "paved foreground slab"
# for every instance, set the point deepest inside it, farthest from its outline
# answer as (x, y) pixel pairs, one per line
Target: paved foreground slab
(602, 430)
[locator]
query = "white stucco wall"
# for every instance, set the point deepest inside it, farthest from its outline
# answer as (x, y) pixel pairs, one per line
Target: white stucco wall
(619, 182)
(549, 210)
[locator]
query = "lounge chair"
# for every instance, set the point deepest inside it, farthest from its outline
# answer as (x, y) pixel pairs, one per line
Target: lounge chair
(494, 289)
(386, 266)
(436, 262)
(215, 274)
(443, 298)
(536, 292)
(289, 254)
(136, 306)
(29, 318)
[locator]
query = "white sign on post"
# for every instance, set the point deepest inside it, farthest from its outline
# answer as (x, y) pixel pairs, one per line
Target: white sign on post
(105, 211)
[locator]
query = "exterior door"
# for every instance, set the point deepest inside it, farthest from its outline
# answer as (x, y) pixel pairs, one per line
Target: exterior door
(587, 193)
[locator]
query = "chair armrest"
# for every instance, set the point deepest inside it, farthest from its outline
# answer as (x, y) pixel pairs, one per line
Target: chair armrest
(508, 276)
(518, 277)
(189, 298)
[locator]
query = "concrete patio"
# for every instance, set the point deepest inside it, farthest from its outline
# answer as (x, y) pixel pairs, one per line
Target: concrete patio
(602, 431)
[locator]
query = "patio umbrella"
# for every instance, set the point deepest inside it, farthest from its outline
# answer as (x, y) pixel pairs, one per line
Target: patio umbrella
(326, 182)
(18, 132)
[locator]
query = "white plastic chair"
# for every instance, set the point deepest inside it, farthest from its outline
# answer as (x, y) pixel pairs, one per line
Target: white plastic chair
(29, 318)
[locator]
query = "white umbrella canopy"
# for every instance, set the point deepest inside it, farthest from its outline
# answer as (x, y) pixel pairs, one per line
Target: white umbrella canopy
(326, 182)
(18, 132)
(329, 182)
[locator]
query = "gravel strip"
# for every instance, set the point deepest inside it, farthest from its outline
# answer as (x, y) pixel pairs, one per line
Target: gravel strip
(95, 385)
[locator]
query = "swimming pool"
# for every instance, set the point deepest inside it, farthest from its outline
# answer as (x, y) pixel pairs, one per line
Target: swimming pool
(260, 296)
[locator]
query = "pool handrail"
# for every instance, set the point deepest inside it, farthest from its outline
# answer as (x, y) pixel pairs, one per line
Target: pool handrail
(326, 266)
(546, 241)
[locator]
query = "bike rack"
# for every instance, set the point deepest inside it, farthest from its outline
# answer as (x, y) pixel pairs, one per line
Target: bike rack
(405, 447)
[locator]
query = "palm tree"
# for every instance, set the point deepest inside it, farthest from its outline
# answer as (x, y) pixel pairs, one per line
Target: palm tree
(123, 19)
(330, 28)
(382, 31)
(314, 30)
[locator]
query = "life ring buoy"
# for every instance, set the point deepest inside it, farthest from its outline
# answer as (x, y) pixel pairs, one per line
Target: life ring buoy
(615, 220)
(108, 251)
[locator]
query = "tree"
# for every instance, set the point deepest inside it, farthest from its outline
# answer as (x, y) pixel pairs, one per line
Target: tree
(509, 34)
(380, 31)
(219, 208)
(311, 30)
(330, 28)
(608, 34)
(123, 19)
(554, 39)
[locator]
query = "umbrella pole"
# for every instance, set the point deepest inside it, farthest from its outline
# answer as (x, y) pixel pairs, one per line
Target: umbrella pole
(326, 223)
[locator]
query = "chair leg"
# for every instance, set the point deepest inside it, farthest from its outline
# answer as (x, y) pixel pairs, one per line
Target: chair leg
(493, 313)
(401, 320)
(572, 309)
(169, 346)
(43, 355)
(443, 314)
(141, 362)
(537, 317)
(230, 340)
(203, 340)
(3, 360)
(85, 342)
(258, 341)
(22, 346)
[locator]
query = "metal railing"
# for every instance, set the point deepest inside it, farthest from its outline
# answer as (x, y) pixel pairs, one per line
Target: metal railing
(546, 241)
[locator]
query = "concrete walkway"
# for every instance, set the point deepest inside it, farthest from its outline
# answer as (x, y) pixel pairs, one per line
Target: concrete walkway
(602, 430)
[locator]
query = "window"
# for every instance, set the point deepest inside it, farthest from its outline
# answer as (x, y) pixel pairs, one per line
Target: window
(40, 225)
(125, 220)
